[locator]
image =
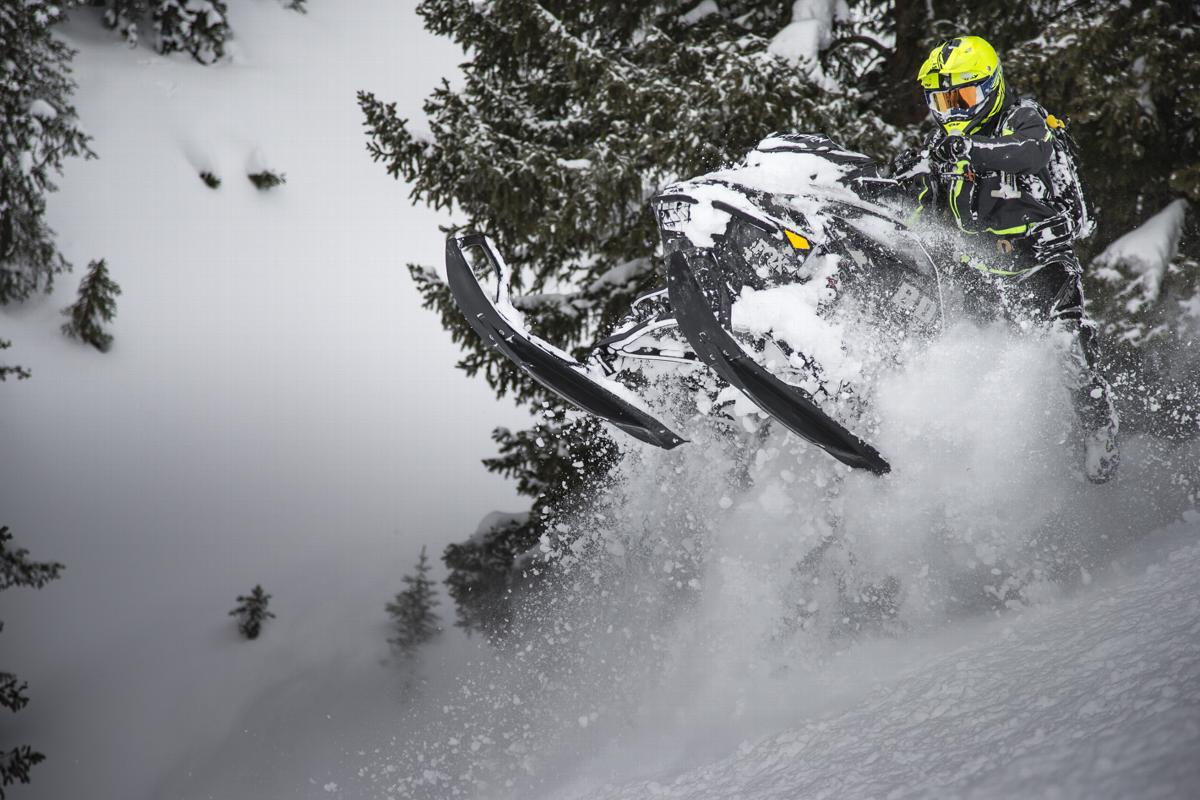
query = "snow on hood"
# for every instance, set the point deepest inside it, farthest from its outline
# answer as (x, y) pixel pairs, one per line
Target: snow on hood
(780, 171)
(791, 313)
(807, 182)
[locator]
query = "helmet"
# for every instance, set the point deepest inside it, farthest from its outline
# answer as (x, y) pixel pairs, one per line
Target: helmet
(963, 83)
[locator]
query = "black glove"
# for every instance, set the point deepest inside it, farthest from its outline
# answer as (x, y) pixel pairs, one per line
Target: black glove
(904, 162)
(950, 150)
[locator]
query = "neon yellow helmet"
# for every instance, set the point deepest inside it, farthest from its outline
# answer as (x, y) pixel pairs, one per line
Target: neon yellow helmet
(963, 83)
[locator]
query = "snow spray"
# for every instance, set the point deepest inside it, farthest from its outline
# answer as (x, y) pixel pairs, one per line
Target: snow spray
(731, 587)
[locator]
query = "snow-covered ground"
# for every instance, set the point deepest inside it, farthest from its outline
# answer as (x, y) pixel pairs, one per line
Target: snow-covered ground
(1097, 696)
(276, 408)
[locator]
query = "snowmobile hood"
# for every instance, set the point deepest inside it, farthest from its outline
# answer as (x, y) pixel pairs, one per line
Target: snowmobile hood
(794, 182)
(792, 164)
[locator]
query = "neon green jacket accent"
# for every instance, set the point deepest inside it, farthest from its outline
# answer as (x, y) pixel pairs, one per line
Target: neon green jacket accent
(1007, 183)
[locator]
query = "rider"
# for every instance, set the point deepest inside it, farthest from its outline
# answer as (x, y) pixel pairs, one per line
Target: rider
(991, 166)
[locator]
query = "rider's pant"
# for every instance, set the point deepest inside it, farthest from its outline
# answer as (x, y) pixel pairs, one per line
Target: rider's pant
(1053, 291)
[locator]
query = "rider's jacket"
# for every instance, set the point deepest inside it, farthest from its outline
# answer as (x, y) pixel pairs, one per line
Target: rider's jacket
(1002, 185)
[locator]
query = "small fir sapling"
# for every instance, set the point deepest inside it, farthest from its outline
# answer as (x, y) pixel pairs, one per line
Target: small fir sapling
(262, 173)
(267, 179)
(252, 612)
(413, 619)
(96, 305)
(297, 5)
(16, 370)
(210, 179)
(16, 569)
(40, 131)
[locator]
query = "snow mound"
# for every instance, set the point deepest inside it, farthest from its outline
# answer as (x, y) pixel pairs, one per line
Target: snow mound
(802, 39)
(701, 10)
(1146, 251)
(1097, 697)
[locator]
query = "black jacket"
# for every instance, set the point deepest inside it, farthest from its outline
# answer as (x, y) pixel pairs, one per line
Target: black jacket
(1004, 186)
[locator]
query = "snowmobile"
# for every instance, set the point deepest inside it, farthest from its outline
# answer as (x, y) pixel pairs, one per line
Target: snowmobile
(790, 278)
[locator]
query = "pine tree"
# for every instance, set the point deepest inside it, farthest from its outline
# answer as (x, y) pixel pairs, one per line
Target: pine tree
(570, 115)
(413, 619)
(96, 305)
(252, 612)
(38, 131)
(1127, 77)
(198, 27)
(14, 369)
(16, 569)
(125, 17)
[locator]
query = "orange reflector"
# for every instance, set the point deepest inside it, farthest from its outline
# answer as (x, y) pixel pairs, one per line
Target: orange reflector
(798, 241)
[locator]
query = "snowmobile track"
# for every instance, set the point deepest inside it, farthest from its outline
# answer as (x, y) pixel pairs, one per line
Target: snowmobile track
(792, 406)
(562, 376)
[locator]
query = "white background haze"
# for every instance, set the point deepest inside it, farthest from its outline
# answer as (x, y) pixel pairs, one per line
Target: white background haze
(276, 408)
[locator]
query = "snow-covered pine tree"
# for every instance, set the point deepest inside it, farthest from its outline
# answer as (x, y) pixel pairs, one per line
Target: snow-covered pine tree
(38, 131)
(125, 17)
(414, 621)
(12, 370)
(1127, 77)
(570, 115)
(16, 569)
(251, 612)
(198, 27)
(96, 304)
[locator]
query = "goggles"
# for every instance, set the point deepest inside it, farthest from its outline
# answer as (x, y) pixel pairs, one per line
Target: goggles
(961, 98)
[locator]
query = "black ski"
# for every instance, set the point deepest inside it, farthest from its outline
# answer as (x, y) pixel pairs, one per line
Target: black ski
(791, 405)
(543, 362)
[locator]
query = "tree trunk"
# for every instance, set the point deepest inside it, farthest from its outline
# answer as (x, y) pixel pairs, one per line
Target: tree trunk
(902, 101)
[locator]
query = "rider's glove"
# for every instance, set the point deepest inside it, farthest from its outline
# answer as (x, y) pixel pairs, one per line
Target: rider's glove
(952, 149)
(906, 164)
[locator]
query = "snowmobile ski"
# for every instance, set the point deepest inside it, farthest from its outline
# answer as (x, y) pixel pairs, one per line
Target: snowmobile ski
(792, 406)
(491, 316)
